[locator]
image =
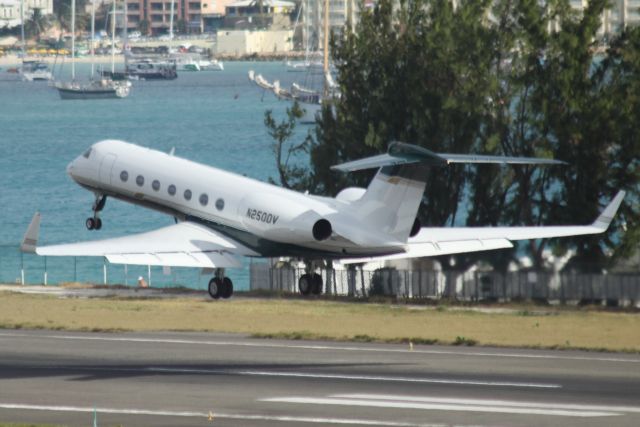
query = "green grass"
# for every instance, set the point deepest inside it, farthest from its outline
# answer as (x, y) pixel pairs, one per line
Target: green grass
(318, 319)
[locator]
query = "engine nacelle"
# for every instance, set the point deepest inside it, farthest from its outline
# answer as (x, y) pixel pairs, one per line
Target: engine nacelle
(351, 194)
(282, 220)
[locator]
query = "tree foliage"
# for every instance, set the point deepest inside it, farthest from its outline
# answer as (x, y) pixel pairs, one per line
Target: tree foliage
(290, 174)
(503, 77)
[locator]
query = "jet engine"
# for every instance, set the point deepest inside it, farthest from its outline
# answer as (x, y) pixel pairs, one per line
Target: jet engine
(283, 220)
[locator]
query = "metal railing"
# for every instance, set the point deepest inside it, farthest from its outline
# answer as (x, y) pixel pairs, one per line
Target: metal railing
(19, 268)
(613, 289)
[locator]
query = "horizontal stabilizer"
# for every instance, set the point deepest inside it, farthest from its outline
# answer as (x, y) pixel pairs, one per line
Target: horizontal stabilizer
(401, 153)
(434, 241)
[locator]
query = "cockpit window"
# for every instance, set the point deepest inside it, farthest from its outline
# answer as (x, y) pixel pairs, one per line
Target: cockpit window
(87, 153)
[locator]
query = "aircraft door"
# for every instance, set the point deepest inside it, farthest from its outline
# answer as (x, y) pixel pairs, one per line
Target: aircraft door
(106, 167)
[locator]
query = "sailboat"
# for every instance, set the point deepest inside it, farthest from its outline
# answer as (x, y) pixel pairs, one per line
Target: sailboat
(94, 89)
(311, 61)
(153, 66)
(31, 70)
(310, 99)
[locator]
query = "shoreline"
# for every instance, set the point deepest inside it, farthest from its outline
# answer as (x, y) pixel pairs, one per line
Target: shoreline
(7, 61)
(14, 60)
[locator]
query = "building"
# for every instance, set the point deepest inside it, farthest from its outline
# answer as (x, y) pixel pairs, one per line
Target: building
(213, 12)
(623, 13)
(259, 14)
(246, 42)
(155, 15)
(10, 13)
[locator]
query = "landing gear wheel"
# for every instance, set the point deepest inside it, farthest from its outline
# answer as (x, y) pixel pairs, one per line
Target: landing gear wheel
(316, 287)
(215, 287)
(305, 284)
(227, 288)
(98, 224)
(90, 223)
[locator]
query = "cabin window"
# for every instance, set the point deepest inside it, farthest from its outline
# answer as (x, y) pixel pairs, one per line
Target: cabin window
(124, 176)
(187, 194)
(140, 180)
(86, 154)
(172, 190)
(155, 185)
(204, 199)
(220, 204)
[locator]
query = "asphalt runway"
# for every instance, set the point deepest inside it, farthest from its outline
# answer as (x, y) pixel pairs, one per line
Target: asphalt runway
(191, 379)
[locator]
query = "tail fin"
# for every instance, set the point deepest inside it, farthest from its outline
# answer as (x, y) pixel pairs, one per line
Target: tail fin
(390, 203)
(30, 240)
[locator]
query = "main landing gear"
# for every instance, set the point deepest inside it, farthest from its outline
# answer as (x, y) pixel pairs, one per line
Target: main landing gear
(95, 223)
(310, 282)
(220, 286)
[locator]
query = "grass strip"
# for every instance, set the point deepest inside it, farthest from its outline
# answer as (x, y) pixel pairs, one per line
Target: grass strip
(308, 319)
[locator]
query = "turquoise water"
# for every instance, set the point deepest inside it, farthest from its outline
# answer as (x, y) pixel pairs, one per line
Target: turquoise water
(211, 117)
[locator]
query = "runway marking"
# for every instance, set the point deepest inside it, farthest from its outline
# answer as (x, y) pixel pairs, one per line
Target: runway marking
(217, 415)
(369, 349)
(444, 404)
(358, 377)
(306, 375)
(616, 408)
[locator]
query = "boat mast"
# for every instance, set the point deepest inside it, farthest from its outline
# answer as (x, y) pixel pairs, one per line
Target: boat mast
(171, 28)
(93, 33)
(22, 27)
(73, 40)
(325, 63)
(113, 38)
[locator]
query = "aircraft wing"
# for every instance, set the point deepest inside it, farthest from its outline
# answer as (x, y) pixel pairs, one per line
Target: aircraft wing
(454, 240)
(185, 244)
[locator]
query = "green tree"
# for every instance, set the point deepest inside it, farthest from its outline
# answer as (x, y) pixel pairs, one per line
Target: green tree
(290, 175)
(504, 77)
(36, 24)
(62, 10)
(144, 26)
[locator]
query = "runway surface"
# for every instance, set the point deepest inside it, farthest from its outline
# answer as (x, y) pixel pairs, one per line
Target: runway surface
(191, 379)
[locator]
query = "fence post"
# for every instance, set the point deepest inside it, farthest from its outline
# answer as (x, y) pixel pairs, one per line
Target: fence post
(22, 268)
(45, 271)
(149, 274)
(104, 271)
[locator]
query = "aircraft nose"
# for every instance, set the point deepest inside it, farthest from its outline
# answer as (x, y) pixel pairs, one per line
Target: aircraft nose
(70, 168)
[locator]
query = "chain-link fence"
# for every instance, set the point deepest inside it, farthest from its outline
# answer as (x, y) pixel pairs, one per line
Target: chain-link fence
(17, 267)
(613, 289)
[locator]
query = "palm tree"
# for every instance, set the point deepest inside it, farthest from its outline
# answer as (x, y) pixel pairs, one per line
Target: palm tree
(37, 24)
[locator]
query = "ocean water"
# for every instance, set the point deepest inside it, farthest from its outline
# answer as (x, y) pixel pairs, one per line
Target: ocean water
(214, 118)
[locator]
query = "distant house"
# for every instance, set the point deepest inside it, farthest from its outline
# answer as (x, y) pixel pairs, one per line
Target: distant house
(9, 13)
(259, 14)
(243, 42)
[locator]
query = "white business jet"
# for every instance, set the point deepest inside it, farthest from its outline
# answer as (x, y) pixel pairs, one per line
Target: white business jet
(221, 216)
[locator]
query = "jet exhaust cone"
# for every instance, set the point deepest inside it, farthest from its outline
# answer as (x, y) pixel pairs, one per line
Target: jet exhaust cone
(322, 230)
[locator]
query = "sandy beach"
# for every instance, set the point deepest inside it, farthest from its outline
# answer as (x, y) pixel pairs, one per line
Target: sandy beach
(8, 61)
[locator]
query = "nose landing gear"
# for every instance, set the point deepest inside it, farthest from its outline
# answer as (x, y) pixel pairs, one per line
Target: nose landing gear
(95, 223)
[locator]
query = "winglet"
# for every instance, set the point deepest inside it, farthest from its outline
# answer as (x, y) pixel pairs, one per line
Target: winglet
(30, 240)
(605, 218)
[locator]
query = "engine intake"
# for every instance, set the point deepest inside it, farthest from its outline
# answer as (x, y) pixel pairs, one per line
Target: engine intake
(322, 230)
(415, 229)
